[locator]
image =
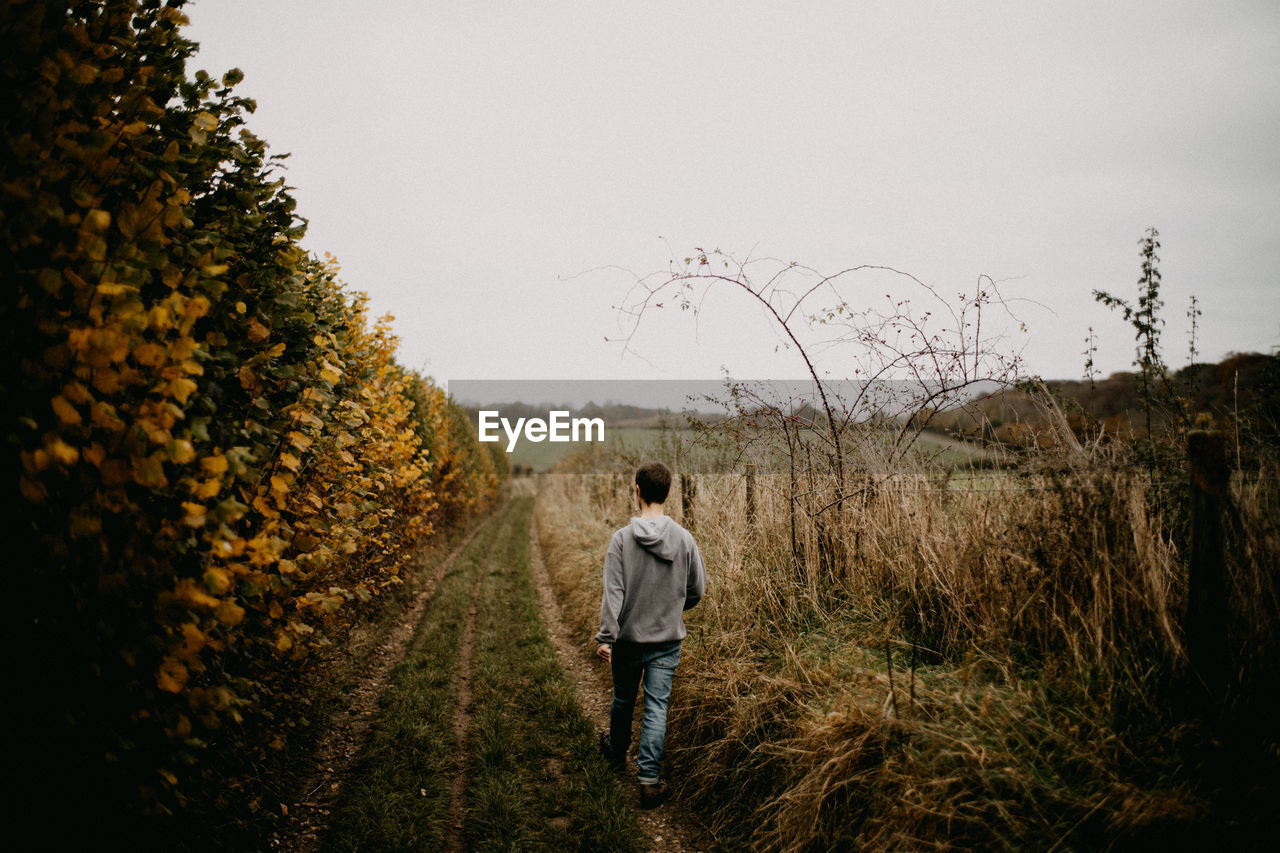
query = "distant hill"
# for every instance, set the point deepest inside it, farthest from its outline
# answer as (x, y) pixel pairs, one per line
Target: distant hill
(1247, 383)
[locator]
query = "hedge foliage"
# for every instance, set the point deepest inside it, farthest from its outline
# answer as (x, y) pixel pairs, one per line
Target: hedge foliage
(216, 462)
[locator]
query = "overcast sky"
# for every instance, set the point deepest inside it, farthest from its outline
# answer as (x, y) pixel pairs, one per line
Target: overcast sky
(473, 164)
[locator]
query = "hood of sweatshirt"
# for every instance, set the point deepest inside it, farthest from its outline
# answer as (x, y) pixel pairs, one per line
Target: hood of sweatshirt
(659, 536)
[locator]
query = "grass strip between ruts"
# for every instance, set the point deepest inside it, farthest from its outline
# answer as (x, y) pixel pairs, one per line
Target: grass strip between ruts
(538, 781)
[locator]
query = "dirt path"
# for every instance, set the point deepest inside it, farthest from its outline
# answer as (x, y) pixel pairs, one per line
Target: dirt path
(341, 745)
(670, 829)
(462, 711)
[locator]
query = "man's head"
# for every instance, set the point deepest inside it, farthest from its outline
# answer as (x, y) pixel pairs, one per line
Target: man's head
(654, 481)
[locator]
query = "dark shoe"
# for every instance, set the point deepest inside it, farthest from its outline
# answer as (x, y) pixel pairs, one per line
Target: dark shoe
(616, 764)
(652, 794)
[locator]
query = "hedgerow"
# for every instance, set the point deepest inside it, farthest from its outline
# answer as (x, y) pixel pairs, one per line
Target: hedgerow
(215, 463)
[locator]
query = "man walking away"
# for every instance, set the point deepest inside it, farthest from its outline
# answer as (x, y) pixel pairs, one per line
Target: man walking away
(653, 572)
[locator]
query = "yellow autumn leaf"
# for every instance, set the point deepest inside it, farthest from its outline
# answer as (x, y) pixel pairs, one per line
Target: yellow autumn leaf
(263, 550)
(36, 460)
(182, 348)
(77, 393)
(300, 440)
(192, 311)
(257, 332)
(106, 380)
(63, 452)
(215, 269)
(151, 355)
(290, 461)
(110, 345)
(95, 453)
(217, 580)
(207, 489)
(230, 613)
(171, 677)
(113, 289)
(193, 640)
(279, 484)
(241, 308)
(65, 411)
(160, 318)
(214, 465)
(180, 389)
(188, 593)
(261, 504)
(329, 373)
(206, 121)
(181, 451)
(78, 340)
(195, 514)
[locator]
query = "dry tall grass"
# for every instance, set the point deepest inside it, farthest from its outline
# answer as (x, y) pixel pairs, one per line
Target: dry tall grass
(995, 663)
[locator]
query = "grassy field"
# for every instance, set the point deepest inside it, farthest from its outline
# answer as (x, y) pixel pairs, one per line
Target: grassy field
(635, 442)
(981, 668)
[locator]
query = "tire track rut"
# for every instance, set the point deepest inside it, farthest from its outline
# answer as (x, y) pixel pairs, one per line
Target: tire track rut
(462, 710)
(341, 745)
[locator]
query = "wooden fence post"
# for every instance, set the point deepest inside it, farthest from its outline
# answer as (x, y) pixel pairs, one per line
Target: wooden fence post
(751, 495)
(688, 493)
(1206, 622)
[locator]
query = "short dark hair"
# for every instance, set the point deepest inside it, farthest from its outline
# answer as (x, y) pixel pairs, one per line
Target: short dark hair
(654, 481)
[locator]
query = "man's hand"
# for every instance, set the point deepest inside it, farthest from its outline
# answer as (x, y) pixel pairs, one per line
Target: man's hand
(604, 651)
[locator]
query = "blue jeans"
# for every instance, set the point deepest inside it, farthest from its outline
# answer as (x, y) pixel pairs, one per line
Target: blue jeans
(657, 662)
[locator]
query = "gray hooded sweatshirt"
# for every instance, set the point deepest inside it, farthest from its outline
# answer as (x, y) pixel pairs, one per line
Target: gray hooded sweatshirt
(653, 572)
